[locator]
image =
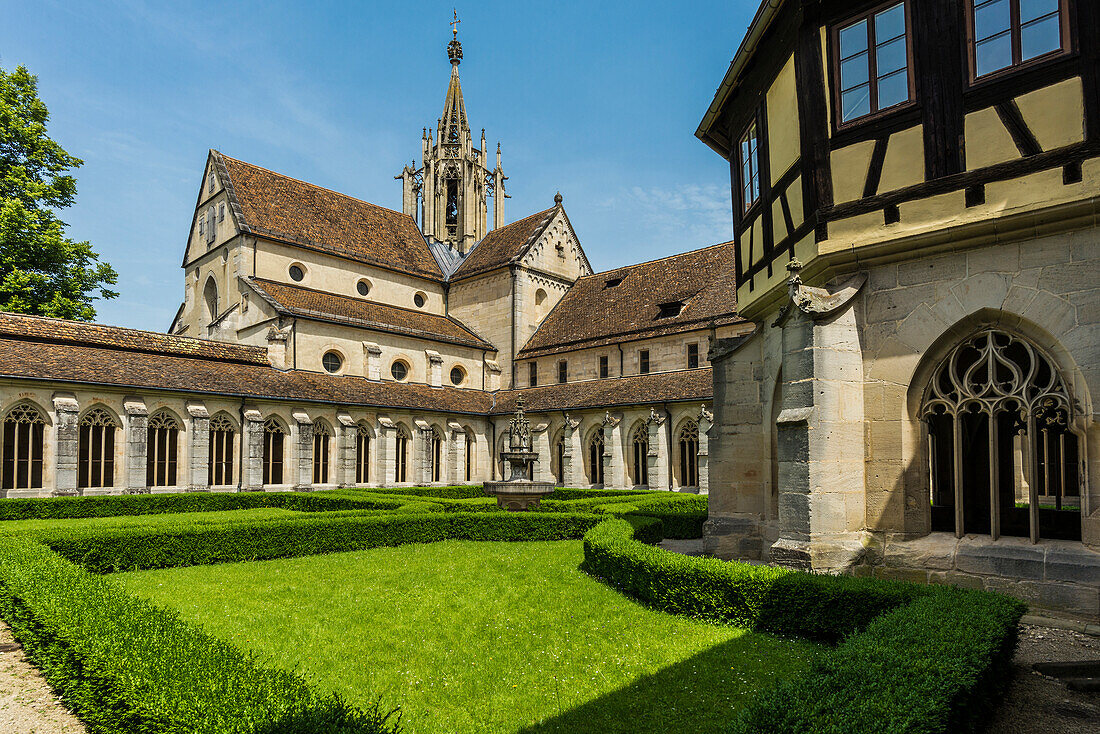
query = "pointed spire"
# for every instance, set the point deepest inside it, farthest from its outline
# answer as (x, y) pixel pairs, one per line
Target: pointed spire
(454, 48)
(452, 127)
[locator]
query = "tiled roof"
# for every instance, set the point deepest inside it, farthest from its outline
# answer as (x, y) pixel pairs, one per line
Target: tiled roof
(504, 244)
(659, 387)
(64, 362)
(42, 329)
(594, 312)
(314, 304)
(272, 205)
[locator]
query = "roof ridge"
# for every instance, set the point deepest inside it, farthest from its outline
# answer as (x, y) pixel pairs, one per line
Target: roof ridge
(659, 259)
(343, 295)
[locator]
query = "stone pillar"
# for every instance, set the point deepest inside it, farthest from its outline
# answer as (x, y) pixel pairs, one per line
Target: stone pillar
(456, 454)
(613, 475)
(422, 453)
(540, 442)
(373, 359)
(657, 456)
(137, 446)
(706, 420)
(572, 461)
(199, 453)
(435, 367)
(304, 481)
(252, 451)
(343, 474)
(492, 375)
(277, 340)
(386, 451)
(65, 443)
(821, 438)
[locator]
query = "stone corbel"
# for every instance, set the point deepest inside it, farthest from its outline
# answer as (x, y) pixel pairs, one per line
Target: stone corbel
(374, 360)
(197, 409)
(655, 417)
(301, 416)
(705, 415)
(134, 406)
(612, 420)
(423, 425)
(386, 422)
(345, 418)
(816, 302)
(539, 427)
(573, 423)
(252, 414)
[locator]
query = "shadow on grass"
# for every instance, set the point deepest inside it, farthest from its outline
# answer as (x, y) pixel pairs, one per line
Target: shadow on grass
(700, 694)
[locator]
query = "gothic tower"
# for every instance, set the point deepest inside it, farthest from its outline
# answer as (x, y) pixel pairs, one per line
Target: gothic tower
(448, 195)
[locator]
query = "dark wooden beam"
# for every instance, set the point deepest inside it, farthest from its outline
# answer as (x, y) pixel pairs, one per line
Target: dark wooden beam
(1088, 41)
(941, 77)
(874, 171)
(1025, 140)
(813, 118)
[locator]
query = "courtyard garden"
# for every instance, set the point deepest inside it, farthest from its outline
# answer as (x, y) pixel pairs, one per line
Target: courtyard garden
(429, 610)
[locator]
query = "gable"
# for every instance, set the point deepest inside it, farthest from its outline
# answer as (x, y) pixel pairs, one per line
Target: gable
(215, 219)
(557, 250)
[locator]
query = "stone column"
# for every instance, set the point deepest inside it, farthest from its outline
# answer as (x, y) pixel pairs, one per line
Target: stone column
(422, 454)
(373, 354)
(435, 367)
(65, 443)
(657, 456)
(572, 462)
(613, 475)
(343, 473)
(540, 442)
(706, 420)
(456, 454)
(822, 486)
(252, 451)
(386, 452)
(304, 481)
(137, 446)
(199, 453)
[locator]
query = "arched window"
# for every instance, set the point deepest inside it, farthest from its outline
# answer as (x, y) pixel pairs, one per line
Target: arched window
(595, 457)
(401, 458)
(1002, 458)
(470, 443)
(362, 454)
(210, 299)
(640, 441)
(436, 456)
(322, 435)
(162, 450)
(221, 451)
(95, 466)
(21, 461)
(689, 454)
(274, 438)
(559, 458)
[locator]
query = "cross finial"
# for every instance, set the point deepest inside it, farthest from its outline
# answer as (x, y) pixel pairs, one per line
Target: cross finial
(454, 23)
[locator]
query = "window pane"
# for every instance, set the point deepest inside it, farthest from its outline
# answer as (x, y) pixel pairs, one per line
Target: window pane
(1040, 37)
(855, 103)
(854, 71)
(890, 23)
(890, 57)
(1033, 9)
(893, 89)
(991, 18)
(853, 39)
(994, 54)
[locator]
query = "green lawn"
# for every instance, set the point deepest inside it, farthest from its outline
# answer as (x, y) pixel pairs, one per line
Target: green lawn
(480, 637)
(126, 521)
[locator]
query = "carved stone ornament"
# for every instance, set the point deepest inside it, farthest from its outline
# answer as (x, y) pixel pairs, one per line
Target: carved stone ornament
(573, 423)
(817, 302)
(655, 417)
(705, 415)
(612, 420)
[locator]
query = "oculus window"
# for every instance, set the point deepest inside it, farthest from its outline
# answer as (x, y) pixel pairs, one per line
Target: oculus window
(297, 273)
(872, 57)
(332, 362)
(399, 370)
(1007, 33)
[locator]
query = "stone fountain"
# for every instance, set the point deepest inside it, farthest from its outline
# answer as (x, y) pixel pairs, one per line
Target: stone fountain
(518, 493)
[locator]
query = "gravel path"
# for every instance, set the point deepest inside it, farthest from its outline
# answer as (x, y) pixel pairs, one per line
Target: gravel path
(27, 704)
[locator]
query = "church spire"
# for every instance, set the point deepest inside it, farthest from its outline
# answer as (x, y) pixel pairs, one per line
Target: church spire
(452, 126)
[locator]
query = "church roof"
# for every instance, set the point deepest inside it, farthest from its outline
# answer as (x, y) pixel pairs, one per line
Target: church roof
(505, 245)
(282, 208)
(659, 387)
(667, 296)
(89, 354)
(326, 306)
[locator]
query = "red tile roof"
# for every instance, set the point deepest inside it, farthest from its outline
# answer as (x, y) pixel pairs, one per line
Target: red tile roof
(505, 244)
(324, 306)
(594, 312)
(278, 207)
(659, 387)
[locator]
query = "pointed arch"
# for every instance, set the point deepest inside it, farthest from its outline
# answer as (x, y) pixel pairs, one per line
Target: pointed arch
(97, 431)
(470, 458)
(162, 449)
(557, 459)
(402, 439)
(363, 438)
(594, 456)
(687, 449)
(21, 453)
(220, 464)
(322, 446)
(275, 433)
(210, 299)
(639, 453)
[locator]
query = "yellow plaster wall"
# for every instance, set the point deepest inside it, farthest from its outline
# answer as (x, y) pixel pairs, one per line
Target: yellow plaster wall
(987, 140)
(850, 165)
(904, 163)
(1055, 114)
(794, 198)
(783, 139)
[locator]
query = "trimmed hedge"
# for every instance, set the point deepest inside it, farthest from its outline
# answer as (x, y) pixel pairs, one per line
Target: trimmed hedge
(912, 659)
(127, 549)
(123, 665)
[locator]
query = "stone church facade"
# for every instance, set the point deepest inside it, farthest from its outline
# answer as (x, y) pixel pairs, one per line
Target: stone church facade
(915, 197)
(325, 341)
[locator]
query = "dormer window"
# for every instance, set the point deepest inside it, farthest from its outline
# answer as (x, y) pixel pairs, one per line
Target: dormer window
(670, 309)
(612, 282)
(871, 70)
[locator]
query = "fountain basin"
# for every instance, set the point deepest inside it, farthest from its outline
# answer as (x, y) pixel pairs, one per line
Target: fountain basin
(518, 496)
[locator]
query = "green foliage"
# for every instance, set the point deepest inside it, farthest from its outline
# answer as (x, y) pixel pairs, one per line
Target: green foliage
(124, 665)
(41, 271)
(912, 659)
(683, 515)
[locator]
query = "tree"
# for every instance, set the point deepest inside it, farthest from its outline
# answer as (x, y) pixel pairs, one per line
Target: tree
(41, 270)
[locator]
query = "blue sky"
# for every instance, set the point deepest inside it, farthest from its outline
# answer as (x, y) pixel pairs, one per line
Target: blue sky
(599, 100)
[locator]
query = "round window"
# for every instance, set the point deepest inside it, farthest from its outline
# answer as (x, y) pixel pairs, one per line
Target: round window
(419, 300)
(458, 375)
(362, 287)
(332, 361)
(296, 273)
(399, 370)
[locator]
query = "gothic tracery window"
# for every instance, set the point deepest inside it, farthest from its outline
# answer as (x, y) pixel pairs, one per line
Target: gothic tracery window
(21, 459)
(689, 454)
(162, 450)
(436, 456)
(1002, 457)
(469, 455)
(322, 436)
(221, 451)
(401, 459)
(362, 454)
(274, 440)
(96, 449)
(640, 442)
(595, 457)
(559, 457)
